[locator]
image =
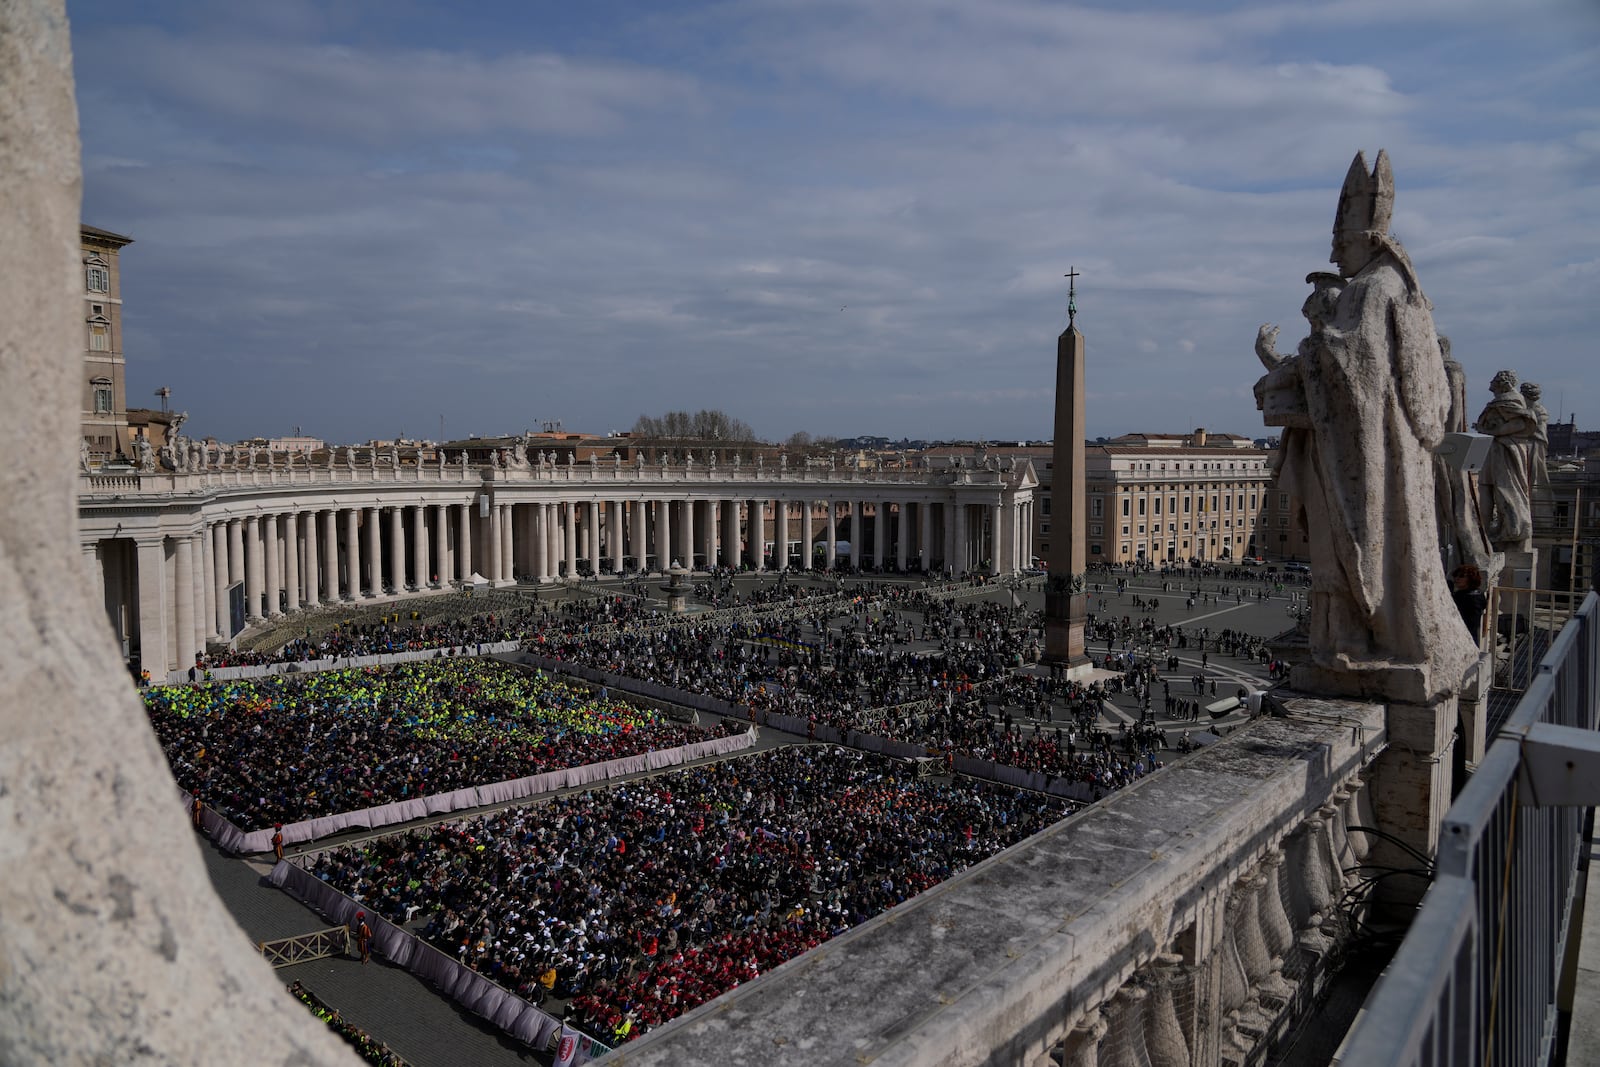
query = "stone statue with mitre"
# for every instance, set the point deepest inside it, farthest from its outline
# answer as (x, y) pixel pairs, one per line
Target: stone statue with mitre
(1364, 402)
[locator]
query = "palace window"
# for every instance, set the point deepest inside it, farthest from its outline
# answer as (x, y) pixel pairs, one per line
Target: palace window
(102, 396)
(99, 337)
(97, 279)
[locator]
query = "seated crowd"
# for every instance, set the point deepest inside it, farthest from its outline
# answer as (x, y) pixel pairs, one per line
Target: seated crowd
(285, 749)
(649, 898)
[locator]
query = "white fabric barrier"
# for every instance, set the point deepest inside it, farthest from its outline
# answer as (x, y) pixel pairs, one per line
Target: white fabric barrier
(231, 838)
(466, 987)
(1023, 779)
(339, 663)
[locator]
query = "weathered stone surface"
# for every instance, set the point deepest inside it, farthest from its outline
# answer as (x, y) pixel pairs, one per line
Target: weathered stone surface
(1504, 484)
(113, 947)
(1377, 401)
(993, 963)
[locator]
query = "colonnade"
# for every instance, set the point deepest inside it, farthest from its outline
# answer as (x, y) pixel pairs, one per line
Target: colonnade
(199, 576)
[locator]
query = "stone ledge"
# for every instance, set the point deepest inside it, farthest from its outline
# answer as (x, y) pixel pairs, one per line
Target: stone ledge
(991, 964)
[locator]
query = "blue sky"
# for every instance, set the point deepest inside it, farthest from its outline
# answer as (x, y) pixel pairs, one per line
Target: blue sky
(837, 216)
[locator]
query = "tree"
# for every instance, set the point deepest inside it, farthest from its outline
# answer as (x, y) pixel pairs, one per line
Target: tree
(705, 426)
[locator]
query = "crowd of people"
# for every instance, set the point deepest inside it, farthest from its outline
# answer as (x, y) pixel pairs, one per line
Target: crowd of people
(651, 897)
(288, 748)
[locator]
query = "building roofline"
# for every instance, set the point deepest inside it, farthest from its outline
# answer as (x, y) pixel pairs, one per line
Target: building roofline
(95, 232)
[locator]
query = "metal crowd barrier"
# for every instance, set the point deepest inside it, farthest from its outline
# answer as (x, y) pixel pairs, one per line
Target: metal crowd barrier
(1474, 984)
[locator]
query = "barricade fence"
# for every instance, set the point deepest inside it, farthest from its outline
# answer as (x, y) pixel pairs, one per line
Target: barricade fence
(456, 980)
(232, 839)
(340, 663)
(1475, 981)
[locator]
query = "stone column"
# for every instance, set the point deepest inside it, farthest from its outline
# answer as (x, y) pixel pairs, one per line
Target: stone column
(205, 580)
(183, 606)
(492, 553)
(200, 547)
(780, 535)
(219, 568)
(858, 544)
(634, 515)
(272, 553)
(902, 536)
(543, 538)
(352, 553)
(569, 516)
(664, 535)
(880, 533)
(313, 568)
(687, 510)
(508, 544)
(925, 534)
(732, 554)
(756, 533)
(806, 533)
(291, 561)
(615, 533)
(397, 549)
(593, 544)
(997, 538)
(151, 556)
(830, 540)
(441, 543)
(954, 538)
(464, 542)
(330, 555)
(419, 545)
(252, 568)
(374, 553)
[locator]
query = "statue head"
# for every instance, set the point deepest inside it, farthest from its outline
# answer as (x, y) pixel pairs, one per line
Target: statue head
(1503, 382)
(1366, 204)
(1530, 392)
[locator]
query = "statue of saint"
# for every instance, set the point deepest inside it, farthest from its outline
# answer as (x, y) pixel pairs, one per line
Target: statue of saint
(1358, 461)
(1504, 483)
(83, 455)
(1461, 536)
(144, 455)
(1539, 460)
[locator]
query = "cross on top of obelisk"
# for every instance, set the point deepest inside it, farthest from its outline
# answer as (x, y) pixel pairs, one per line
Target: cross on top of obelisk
(1072, 294)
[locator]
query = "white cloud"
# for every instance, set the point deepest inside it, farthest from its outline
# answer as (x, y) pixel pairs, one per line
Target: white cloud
(837, 217)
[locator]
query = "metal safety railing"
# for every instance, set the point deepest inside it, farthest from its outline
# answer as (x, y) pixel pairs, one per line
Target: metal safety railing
(1474, 984)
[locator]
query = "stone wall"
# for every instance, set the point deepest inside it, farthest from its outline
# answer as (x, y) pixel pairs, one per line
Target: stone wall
(113, 947)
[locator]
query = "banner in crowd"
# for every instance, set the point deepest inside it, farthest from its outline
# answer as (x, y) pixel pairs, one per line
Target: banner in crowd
(576, 1047)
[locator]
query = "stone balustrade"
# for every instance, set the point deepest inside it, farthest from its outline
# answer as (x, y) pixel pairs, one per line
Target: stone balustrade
(1186, 921)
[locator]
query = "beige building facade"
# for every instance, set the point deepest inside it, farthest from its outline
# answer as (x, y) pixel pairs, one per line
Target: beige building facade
(105, 399)
(1166, 498)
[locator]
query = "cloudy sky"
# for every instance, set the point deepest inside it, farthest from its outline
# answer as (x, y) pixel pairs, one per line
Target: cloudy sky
(837, 216)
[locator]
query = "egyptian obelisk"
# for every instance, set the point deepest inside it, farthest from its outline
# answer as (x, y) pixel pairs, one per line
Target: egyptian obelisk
(1065, 603)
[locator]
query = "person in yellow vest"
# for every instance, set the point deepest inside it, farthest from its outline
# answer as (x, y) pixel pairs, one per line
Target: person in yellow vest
(624, 1028)
(547, 983)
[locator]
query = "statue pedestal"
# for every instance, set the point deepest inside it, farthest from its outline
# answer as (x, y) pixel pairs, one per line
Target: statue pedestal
(1412, 777)
(1411, 791)
(1521, 568)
